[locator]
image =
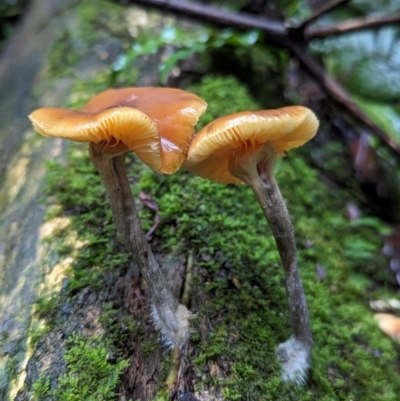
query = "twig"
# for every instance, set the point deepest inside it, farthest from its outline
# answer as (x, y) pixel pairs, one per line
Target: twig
(274, 29)
(318, 13)
(185, 300)
(278, 34)
(152, 205)
(187, 288)
(338, 95)
(350, 26)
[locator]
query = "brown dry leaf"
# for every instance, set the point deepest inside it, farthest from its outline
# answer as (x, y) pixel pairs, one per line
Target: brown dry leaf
(236, 282)
(389, 324)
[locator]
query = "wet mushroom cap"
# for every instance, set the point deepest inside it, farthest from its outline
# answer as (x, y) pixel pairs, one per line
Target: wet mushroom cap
(174, 111)
(112, 127)
(245, 133)
(155, 123)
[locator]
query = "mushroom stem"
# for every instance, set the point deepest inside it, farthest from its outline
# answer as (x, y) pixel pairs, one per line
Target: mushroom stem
(170, 317)
(270, 199)
(295, 353)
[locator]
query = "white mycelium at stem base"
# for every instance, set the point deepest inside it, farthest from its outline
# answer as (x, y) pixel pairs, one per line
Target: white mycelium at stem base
(242, 148)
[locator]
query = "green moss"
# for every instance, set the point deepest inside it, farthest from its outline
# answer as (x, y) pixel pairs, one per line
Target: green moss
(162, 396)
(91, 218)
(41, 389)
(90, 373)
(98, 27)
(42, 320)
(227, 96)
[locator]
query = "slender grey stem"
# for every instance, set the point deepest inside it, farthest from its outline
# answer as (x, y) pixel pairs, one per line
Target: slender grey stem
(256, 169)
(270, 199)
(169, 315)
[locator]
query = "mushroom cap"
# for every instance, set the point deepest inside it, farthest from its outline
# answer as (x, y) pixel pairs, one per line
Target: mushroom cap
(114, 127)
(155, 123)
(245, 133)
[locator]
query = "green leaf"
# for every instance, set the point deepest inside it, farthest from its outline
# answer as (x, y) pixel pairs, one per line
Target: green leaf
(366, 62)
(372, 222)
(359, 248)
(384, 115)
(166, 66)
(376, 7)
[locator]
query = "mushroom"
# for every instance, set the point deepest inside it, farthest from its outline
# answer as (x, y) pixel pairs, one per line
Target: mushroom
(155, 123)
(243, 147)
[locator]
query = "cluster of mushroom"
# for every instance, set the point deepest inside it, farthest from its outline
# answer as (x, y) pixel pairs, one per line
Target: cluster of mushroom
(158, 125)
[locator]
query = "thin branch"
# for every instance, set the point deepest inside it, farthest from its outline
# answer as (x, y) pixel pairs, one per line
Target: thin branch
(277, 33)
(212, 14)
(351, 26)
(319, 12)
(338, 95)
(152, 205)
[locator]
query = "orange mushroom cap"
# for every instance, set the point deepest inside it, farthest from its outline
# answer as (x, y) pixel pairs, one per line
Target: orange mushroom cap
(245, 133)
(155, 123)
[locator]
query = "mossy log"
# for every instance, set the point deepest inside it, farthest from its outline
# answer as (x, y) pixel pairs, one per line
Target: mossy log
(74, 318)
